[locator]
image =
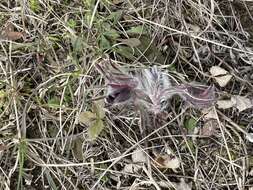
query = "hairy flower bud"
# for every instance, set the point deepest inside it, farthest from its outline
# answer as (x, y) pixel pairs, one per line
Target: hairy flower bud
(151, 88)
(154, 83)
(121, 86)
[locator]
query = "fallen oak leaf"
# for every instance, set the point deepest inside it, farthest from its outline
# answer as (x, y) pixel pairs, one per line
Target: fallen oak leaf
(220, 75)
(240, 102)
(166, 161)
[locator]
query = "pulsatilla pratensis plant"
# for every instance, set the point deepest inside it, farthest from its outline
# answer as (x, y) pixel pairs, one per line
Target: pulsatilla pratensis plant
(151, 89)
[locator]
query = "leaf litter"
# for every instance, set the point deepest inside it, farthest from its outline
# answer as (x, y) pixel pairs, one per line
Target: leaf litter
(240, 102)
(221, 76)
(182, 40)
(167, 160)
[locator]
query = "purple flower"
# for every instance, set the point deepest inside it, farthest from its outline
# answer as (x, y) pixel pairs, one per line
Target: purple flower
(197, 96)
(121, 86)
(151, 89)
(153, 83)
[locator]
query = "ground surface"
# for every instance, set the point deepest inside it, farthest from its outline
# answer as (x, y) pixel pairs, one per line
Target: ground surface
(48, 84)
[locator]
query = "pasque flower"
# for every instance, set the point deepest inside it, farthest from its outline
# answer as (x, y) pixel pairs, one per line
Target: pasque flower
(151, 88)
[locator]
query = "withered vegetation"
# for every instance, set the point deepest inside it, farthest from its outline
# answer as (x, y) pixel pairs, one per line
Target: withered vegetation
(56, 133)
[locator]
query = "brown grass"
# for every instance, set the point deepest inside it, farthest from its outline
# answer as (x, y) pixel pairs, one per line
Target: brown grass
(48, 50)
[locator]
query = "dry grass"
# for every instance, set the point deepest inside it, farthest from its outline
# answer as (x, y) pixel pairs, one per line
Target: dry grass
(47, 78)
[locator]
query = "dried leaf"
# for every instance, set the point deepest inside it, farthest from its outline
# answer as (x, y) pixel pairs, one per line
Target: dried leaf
(220, 75)
(8, 33)
(139, 156)
(217, 71)
(209, 113)
(223, 80)
(132, 168)
(95, 129)
(240, 102)
(167, 161)
(225, 104)
(14, 35)
(195, 28)
(132, 42)
(209, 128)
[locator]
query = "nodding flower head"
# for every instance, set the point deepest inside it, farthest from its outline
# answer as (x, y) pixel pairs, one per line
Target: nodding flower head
(120, 86)
(145, 88)
(198, 96)
(151, 89)
(154, 83)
